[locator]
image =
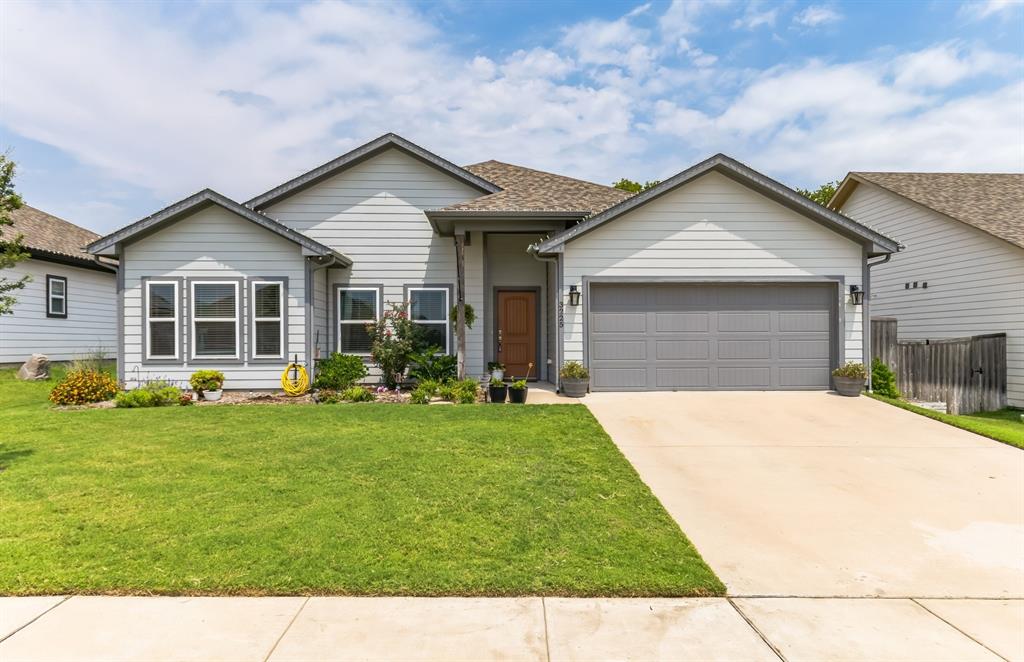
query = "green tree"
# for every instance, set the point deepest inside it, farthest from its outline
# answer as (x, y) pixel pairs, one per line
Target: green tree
(822, 194)
(11, 250)
(634, 187)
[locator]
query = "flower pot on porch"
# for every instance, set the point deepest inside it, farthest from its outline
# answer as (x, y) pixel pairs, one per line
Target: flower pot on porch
(496, 394)
(518, 395)
(848, 386)
(574, 387)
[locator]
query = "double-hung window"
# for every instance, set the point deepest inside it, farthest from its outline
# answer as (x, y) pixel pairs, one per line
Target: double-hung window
(56, 296)
(162, 319)
(430, 308)
(215, 312)
(357, 307)
(267, 302)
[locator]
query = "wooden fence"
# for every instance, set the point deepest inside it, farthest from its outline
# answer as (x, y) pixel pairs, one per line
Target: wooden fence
(968, 374)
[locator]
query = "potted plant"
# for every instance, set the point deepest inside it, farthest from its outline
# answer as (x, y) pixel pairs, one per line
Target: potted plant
(208, 383)
(575, 379)
(517, 391)
(849, 379)
(496, 390)
(497, 370)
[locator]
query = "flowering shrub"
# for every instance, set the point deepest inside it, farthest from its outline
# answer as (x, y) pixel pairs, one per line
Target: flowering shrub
(394, 338)
(83, 386)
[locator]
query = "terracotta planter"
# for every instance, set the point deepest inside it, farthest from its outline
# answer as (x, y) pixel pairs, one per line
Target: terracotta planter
(849, 386)
(496, 394)
(518, 395)
(574, 388)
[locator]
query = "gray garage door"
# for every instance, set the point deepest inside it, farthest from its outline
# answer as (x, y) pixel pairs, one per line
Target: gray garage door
(674, 336)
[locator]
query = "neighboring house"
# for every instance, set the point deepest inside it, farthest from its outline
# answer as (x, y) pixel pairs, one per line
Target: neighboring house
(68, 309)
(962, 272)
(717, 278)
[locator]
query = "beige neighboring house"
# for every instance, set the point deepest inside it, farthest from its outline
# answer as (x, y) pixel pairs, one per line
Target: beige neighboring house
(961, 272)
(69, 308)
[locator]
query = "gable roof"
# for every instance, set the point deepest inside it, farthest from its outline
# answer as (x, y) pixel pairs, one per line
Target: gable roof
(528, 190)
(47, 236)
(361, 153)
(879, 243)
(198, 201)
(991, 202)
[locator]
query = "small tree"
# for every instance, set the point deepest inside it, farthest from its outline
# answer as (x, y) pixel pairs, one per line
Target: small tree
(822, 194)
(634, 187)
(883, 381)
(394, 338)
(11, 250)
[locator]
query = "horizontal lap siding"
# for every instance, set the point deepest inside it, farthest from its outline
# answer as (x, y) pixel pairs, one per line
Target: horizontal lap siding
(91, 324)
(373, 213)
(213, 243)
(712, 228)
(975, 281)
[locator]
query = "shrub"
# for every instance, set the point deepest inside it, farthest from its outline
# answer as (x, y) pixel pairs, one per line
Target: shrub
(573, 370)
(432, 364)
(83, 386)
(883, 381)
(853, 370)
(328, 396)
(393, 340)
(185, 400)
(153, 394)
(339, 371)
(464, 392)
(357, 394)
(420, 396)
(206, 380)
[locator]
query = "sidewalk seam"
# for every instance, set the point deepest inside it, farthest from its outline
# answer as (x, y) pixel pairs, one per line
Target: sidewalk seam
(5, 638)
(286, 628)
(547, 638)
(756, 629)
(915, 601)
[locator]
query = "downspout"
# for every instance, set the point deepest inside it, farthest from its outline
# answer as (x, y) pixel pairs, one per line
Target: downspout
(532, 250)
(867, 313)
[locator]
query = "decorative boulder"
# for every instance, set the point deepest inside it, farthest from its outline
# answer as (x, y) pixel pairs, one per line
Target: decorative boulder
(37, 367)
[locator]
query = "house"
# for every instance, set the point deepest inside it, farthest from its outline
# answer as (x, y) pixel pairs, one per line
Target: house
(717, 278)
(67, 309)
(962, 272)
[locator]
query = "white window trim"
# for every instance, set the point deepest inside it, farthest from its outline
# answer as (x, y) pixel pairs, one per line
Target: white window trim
(447, 312)
(162, 320)
(377, 296)
(50, 280)
(238, 313)
(279, 319)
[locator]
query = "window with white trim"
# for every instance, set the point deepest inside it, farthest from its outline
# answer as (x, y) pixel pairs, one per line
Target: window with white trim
(357, 307)
(56, 296)
(267, 301)
(162, 319)
(429, 307)
(215, 320)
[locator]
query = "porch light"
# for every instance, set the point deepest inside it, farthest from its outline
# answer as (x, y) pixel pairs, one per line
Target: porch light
(574, 295)
(856, 295)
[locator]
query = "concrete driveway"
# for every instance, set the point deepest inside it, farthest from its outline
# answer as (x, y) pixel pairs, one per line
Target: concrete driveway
(812, 494)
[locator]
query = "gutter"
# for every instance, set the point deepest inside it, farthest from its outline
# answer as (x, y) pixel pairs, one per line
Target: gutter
(532, 250)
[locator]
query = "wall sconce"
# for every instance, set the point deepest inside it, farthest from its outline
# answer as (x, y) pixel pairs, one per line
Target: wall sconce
(856, 295)
(574, 295)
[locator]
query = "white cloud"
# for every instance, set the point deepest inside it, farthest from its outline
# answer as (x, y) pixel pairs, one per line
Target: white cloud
(943, 65)
(755, 17)
(815, 16)
(982, 9)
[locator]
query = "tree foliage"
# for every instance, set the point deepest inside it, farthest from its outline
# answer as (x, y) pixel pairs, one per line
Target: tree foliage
(634, 187)
(822, 194)
(11, 249)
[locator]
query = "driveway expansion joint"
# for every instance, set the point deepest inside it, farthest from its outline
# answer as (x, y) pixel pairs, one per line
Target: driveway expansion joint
(286, 628)
(756, 630)
(974, 639)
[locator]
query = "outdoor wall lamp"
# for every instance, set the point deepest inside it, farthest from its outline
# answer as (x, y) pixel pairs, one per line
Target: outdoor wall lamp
(574, 295)
(856, 295)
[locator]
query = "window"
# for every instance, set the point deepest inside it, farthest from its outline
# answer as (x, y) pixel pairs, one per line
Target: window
(162, 319)
(429, 307)
(267, 301)
(214, 320)
(357, 307)
(56, 296)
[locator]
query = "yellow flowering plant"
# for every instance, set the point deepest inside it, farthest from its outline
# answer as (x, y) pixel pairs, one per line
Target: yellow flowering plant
(80, 387)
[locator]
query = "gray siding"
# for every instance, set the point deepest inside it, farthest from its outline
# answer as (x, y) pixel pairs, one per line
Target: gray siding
(975, 281)
(91, 323)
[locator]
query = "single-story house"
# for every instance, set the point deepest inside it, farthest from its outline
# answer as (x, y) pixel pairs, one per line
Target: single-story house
(717, 278)
(68, 308)
(962, 272)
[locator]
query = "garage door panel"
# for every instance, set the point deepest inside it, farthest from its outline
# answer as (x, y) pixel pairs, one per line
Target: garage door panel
(619, 350)
(669, 350)
(737, 322)
(681, 322)
(621, 322)
(799, 322)
(668, 378)
(804, 349)
(745, 349)
(745, 377)
(619, 378)
(794, 377)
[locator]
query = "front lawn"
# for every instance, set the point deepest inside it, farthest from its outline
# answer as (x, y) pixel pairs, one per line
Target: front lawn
(370, 499)
(1003, 425)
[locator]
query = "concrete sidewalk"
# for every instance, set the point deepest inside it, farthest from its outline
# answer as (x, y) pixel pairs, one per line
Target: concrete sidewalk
(334, 628)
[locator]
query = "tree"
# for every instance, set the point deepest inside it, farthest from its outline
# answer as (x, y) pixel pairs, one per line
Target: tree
(634, 187)
(822, 194)
(11, 250)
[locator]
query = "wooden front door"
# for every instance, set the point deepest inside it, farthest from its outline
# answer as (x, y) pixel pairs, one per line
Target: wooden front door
(517, 332)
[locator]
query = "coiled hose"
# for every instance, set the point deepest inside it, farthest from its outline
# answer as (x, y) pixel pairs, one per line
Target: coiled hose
(295, 380)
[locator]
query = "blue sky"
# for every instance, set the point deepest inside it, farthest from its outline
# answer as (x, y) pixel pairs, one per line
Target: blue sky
(113, 111)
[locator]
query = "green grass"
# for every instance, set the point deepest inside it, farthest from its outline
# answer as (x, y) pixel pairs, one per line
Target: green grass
(1004, 425)
(333, 499)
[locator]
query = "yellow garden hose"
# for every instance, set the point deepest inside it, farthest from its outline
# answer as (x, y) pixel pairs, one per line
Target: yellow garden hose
(295, 380)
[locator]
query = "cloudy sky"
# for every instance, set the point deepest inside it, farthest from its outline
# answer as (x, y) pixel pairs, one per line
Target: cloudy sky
(114, 110)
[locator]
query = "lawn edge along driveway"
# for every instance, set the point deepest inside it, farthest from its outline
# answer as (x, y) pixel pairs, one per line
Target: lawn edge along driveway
(1004, 425)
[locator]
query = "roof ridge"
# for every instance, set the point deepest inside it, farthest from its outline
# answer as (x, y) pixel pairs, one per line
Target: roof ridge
(545, 172)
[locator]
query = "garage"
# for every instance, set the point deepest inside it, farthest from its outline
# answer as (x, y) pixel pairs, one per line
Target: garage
(710, 336)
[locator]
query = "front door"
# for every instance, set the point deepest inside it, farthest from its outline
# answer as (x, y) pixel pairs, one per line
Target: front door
(517, 332)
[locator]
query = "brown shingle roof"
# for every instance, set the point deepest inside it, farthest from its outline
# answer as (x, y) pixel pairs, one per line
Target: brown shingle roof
(529, 190)
(993, 203)
(48, 233)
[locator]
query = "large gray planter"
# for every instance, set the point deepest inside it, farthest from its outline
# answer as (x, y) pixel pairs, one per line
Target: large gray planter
(849, 386)
(574, 388)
